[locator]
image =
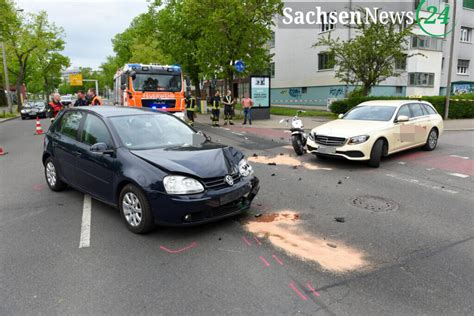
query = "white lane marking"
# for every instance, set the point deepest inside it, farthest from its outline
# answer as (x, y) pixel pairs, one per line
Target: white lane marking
(459, 175)
(86, 222)
(422, 184)
(239, 134)
(462, 157)
(430, 169)
(402, 163)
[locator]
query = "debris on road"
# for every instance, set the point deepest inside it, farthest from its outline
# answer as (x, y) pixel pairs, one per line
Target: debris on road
(273, 174)
(255, 155)
(271, 164)
(295, 167)
(340, 219)
(339, 182)
(258, 215)
(331, 245)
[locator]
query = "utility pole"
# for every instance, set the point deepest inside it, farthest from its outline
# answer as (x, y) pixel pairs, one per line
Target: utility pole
(7, 82)
(450, 67)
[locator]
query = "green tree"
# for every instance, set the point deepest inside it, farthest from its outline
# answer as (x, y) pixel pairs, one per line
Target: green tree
(24, 35)
(370, 57)
(231, 30)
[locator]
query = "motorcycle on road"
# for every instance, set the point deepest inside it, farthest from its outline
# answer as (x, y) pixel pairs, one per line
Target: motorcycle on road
(298, 135)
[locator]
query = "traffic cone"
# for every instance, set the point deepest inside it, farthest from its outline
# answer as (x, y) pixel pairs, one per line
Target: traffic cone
(39, 129)
(2, 153)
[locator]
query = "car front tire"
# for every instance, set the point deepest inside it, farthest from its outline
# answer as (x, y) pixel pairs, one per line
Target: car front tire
(135, 210)
(432, 140)
(376, 154)
(52, 176)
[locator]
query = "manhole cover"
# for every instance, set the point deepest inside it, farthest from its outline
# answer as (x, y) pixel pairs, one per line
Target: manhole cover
(375, 204)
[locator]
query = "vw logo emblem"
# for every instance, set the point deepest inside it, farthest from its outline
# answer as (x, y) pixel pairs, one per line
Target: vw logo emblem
(229, 180)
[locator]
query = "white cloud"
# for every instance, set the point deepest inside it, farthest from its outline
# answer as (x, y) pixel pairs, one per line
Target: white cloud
(89, 24)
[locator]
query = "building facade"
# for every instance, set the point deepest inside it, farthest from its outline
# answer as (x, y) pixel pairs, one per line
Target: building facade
(303, 75)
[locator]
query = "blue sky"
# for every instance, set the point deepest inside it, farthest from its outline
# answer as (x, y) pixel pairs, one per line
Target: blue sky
(89, 24)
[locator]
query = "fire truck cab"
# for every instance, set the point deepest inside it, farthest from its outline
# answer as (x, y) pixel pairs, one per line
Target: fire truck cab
(153, 86)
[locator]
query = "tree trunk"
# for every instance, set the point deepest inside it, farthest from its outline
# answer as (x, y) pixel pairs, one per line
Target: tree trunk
(195, 82)
(19, 81)
(3, 98)
(366, 90)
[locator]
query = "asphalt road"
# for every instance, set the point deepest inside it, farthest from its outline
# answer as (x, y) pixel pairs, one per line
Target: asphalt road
(418, 251)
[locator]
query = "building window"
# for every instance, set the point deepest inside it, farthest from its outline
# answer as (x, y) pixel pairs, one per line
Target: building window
(466, 33)
(468, 4)
(401, 64)
(398, 89)
(325, 25)
(272, 70)
(442, 64)
(325, 61)
(421, 79)
(463, 67)
(271, 42)
(426, 42)
(304, 90)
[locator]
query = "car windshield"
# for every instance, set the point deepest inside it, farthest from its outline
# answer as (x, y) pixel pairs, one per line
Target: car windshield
(157, 82)
(371, 113)
(150, 131)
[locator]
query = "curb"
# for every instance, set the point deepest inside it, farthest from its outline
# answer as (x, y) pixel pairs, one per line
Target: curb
(9, 119)
(458, 129)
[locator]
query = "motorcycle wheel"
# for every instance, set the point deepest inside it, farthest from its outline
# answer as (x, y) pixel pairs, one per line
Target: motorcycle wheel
(297, 143)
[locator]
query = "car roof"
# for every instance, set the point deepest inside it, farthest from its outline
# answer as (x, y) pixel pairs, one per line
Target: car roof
(390, 102)
(110, 111)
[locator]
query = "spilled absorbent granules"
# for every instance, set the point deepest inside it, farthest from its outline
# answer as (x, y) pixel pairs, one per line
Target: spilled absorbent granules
(283, 231)
(285, 160)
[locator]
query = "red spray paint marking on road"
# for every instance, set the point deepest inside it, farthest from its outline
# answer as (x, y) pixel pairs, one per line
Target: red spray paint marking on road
(246, 241)
(278, 260)
(39, 187)
(312, 289)
(293, 287)
(258, 241)
(194, 244)
(267, 264)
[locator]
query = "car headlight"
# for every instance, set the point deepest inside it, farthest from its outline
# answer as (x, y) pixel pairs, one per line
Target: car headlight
(182, 185)
(311, 137)
(245, 169)
(358, 139)
(23, 111)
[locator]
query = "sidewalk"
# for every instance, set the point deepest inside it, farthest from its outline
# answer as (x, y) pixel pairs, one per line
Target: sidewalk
(459, 125)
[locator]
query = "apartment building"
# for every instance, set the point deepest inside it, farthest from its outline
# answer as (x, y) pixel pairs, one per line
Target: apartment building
(303, 74)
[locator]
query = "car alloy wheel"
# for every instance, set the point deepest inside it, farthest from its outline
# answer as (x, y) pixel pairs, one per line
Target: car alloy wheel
(432, 140)
(51, 173)
(132, 209)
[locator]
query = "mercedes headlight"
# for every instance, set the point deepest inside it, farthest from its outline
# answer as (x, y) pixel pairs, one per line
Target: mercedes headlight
(182, 185)
(358, 139)
(245, 169)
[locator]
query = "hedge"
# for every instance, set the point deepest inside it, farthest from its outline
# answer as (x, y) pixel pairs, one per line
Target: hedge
(458, 108)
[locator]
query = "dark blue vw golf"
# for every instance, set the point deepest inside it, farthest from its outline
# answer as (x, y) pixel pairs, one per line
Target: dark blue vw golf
(151, 165)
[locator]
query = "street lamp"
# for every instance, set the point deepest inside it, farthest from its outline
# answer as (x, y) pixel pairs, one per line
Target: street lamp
(5, 69)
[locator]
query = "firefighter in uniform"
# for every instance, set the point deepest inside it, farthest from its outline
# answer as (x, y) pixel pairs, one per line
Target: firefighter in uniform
(215, 108)
(228, 108)
(191, 107)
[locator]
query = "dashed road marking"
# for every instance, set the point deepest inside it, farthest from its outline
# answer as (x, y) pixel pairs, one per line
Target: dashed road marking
(86, 222)
(238, 134)
(459, 175)
(402, 163)
(462, 157)
(422, 184)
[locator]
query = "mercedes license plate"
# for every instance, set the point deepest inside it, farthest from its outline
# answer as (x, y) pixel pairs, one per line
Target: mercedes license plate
(326, 150)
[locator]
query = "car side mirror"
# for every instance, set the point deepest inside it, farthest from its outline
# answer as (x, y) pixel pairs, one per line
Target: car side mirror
(340, 116)
(133, 75)
(402, 118)
(101, 148)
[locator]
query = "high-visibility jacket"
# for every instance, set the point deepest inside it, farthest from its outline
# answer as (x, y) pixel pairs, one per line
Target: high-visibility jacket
(191, 104)
(216, 102)
(96, 101)
(55, 107)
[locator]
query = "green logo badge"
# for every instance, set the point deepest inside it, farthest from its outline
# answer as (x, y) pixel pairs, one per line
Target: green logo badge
(435, 16)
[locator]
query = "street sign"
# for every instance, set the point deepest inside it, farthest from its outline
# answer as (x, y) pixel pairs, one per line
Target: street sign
(75, 79)
(239, 66)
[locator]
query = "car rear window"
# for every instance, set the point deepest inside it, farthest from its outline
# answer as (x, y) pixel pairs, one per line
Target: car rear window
(70, 123)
